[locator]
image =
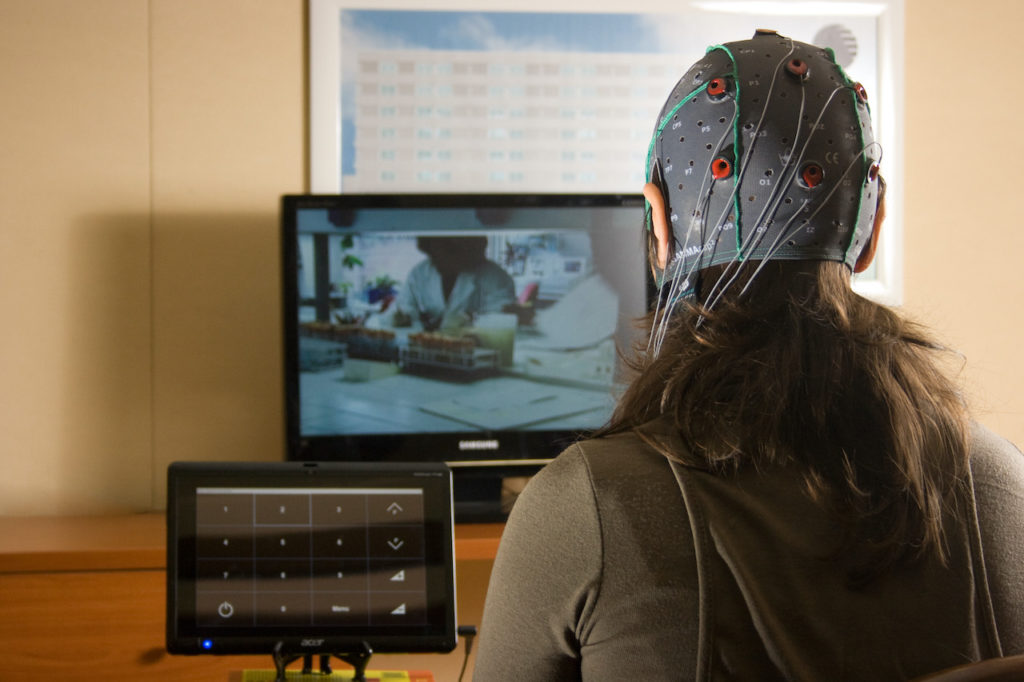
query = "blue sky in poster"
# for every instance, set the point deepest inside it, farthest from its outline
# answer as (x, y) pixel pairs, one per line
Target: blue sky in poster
(486, 31)
(453, 30)
(684, 35)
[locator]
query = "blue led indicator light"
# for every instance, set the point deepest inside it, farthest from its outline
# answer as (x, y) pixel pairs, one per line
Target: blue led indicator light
(207, 644)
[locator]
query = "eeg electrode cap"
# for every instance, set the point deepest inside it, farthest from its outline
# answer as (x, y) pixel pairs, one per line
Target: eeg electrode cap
(798, 184)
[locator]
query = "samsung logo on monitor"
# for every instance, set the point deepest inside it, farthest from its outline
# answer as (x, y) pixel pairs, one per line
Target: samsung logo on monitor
(478, 444)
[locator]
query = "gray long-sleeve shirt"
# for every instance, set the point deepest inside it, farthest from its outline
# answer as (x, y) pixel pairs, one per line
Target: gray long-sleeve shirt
(607, 571)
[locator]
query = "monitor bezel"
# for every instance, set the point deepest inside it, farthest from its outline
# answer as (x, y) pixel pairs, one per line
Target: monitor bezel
(185, 636)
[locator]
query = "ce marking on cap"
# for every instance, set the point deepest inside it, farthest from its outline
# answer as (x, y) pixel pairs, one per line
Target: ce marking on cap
(832, 158)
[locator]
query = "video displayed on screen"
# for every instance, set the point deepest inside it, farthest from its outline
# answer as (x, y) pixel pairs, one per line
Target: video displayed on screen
(439, 320)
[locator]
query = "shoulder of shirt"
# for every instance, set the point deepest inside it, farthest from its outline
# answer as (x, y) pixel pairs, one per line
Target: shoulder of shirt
(992, 456)
(596, 458)
(615, 460)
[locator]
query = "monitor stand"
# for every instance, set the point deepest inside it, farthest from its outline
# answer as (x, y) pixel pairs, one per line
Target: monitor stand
(357, 659)
(477, 497)
(484, 495)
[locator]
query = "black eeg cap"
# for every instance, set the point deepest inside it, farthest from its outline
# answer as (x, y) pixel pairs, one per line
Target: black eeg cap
(764, 149)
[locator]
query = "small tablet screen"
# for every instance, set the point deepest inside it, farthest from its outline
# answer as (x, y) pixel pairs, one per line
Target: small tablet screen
(309, 557)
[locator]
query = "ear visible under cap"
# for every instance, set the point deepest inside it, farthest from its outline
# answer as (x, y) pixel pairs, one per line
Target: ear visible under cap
(868, 254)
(659, 222)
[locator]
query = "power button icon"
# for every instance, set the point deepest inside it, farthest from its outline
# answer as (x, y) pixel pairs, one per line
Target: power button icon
(226, 610)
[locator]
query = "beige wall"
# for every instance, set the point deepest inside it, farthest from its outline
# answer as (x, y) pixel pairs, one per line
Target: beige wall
(75, 277)
(963, 189)
(143, 149)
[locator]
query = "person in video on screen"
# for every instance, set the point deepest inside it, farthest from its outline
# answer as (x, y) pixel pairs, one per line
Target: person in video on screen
(454, 284)
(791, 487)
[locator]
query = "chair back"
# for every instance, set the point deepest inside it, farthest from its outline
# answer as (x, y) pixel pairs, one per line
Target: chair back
(1008, 669)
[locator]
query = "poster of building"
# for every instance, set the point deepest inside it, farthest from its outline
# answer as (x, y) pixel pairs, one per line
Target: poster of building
(422, 97)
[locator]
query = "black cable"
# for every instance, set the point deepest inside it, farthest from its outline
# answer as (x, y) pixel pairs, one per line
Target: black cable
(469, 632)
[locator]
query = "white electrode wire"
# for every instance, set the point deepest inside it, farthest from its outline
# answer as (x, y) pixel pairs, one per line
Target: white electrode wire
(742, 166)
(746, 158)
(697, 223)
(777, 244)
(676, 285)
(767, 214)
(662, 317)
(774, 202)
(753, 238)
(699, 219)
(781, 238)
(754, 136)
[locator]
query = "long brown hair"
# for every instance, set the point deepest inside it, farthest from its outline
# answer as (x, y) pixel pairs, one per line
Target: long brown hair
(800, 370)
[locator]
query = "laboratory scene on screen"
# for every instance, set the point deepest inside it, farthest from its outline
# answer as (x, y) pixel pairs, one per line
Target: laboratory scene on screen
(454, 319)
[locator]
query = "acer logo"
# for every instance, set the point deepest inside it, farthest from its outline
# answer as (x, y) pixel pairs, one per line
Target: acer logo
(312, 642)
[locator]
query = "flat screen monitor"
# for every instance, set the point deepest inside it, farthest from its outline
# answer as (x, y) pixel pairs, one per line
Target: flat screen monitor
(478, 330)
(294, 558)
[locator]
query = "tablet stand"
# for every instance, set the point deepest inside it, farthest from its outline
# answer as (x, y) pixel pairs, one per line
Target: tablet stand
(357, 659)
(307, 664)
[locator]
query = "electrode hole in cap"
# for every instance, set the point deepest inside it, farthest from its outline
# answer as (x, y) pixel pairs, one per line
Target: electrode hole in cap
(812, 175)
(720, 169)
(797, 67)
(716, 87)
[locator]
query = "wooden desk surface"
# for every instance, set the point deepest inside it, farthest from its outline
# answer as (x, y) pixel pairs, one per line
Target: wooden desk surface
(138, 541)
(96, 587)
